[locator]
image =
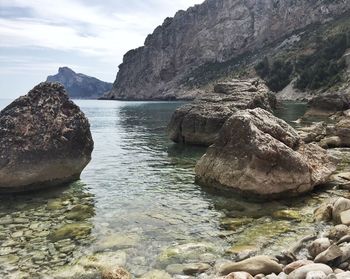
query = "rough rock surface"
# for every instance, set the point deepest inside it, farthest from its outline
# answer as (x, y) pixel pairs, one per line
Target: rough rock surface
(45, 140)
(258, 154)
(200, 122)
(79, 85)
(256, 265)
(328, 104)
(215, 31)
(330, 135)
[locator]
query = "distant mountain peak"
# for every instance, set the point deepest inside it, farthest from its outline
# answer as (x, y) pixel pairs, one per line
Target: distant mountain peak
(80, 86)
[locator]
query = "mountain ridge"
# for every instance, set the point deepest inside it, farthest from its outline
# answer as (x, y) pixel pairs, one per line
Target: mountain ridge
(215, 31)
(80, 85)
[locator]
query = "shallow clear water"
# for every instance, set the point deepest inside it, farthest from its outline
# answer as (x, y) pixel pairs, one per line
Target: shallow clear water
(138, 196)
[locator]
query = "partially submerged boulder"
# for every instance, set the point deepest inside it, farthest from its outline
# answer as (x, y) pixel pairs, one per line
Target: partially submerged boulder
(199, 123)
(260, 155)
(45, 140)
(327, 104)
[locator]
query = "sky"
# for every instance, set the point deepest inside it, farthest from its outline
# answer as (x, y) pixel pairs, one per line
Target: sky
(90, 36)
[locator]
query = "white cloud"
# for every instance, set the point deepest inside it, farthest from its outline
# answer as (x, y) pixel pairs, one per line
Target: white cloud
(100, 31)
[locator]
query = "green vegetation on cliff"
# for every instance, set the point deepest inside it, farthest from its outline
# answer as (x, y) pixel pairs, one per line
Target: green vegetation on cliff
(312, 56)
(323, 67)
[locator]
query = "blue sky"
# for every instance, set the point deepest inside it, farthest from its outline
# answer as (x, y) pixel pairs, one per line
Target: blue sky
(90, 36)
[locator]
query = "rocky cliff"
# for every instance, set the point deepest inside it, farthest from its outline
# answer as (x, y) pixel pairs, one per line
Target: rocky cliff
(80, 86)
(216, 32)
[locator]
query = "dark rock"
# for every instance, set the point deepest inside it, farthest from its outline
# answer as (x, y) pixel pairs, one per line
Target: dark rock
(80, 86)
(260, 155)
(199, 123)
(45, 140)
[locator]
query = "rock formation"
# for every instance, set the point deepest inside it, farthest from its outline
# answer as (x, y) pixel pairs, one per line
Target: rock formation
(328, 104)
(45, 140)
(217, 31)
(80, 86)
(260, 155)
(329, 135)
(200, 122)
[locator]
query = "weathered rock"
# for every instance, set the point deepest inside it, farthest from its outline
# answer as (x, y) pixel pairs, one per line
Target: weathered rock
(302, 272)
(256, 265)
(328, 255)
(239, 275)
(200, 122)
(115, 273)
(331, 135)
(197, 40)
(45, 140)
(324, 212)
(295, 265)
(318, 246)
(343, 275)
(340, 206)
(328, 104)
(338, 232)
(316, 275)
(261, 155)
(345, 217)
(194, 268)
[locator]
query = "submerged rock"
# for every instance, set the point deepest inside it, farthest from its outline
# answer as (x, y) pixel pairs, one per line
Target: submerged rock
(200, 122)
(45, 140)
(261, 155)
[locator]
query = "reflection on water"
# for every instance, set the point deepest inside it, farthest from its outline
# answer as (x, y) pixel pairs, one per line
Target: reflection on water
(138, 197)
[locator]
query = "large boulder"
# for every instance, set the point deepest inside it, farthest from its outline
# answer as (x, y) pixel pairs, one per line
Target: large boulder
(199, 123)
(261, 155)
(328, 104)
(45, 140)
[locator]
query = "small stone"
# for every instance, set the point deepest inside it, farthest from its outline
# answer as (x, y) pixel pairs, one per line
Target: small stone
(316, 275)
(192, 269)
(239, 275)
(318, 246)
(340, 206)
(301, 272)
(295, 265)
(328, 255)
(338, 232)
(345, 217)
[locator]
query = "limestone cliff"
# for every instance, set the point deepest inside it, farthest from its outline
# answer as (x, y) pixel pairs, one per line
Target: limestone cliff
(216, 31)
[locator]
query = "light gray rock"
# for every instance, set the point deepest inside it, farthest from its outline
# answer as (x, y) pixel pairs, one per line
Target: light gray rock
(257, 154)
(345, 217)
(302, 272)
(213, 32)
(316, 275)
(255, 265)
(295, 265)
(340, 206)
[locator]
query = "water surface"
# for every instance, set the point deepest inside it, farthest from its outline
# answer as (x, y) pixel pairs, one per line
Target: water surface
(139, 197)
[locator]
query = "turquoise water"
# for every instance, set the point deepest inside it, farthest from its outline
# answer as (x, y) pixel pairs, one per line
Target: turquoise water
(139, 198)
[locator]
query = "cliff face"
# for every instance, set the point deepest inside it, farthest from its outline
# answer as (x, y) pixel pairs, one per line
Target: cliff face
(215, 31)
(80, 86)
